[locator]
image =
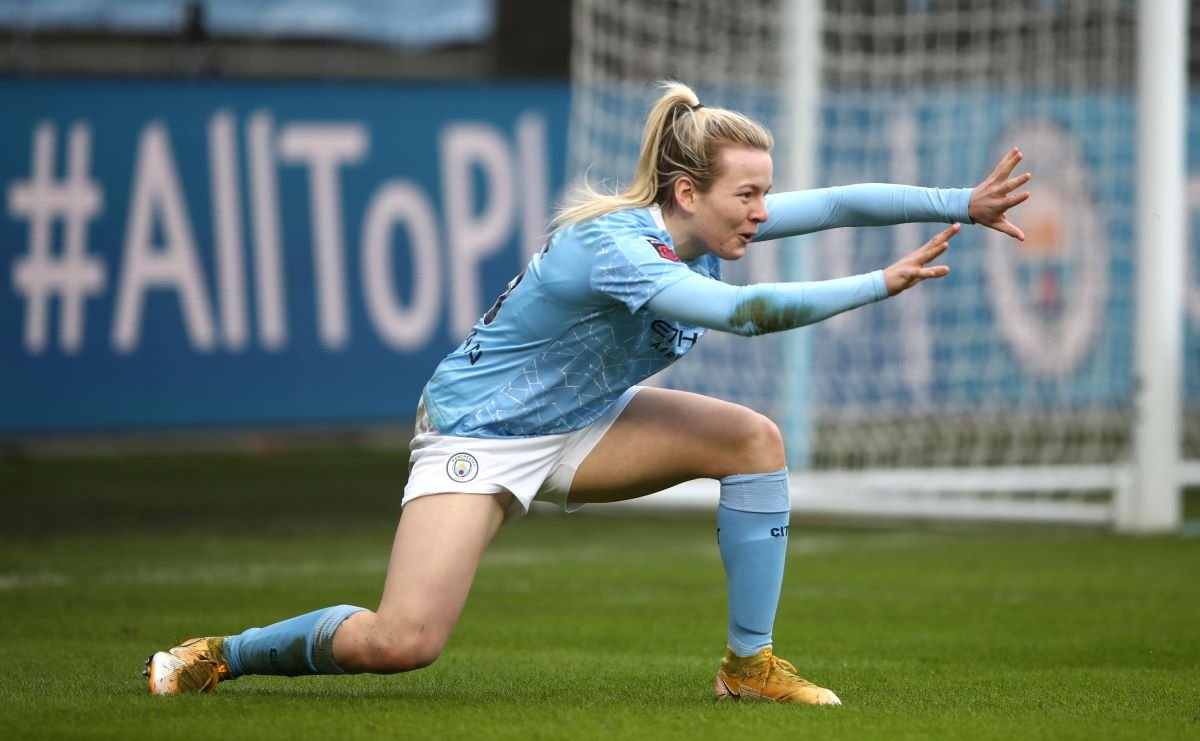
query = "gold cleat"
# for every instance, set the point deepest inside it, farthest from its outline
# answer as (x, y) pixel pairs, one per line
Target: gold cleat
(193, 666)
(766, 677)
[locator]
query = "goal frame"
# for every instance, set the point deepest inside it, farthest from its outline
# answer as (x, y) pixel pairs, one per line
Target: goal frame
(1138, 490)
(1146, 494)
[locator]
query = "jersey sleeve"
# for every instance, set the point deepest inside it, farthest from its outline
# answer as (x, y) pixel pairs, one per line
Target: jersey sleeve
(867, 204)
(632, 269)
(764, 307)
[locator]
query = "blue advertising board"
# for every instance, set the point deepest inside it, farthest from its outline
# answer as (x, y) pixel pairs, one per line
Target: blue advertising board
(190, 254)
(193, 254)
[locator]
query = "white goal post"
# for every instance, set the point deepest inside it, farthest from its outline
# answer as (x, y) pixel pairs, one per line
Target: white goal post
(1041, 381)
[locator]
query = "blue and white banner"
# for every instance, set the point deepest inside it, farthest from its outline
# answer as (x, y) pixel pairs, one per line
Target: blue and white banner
(226, 254)
(191, 254)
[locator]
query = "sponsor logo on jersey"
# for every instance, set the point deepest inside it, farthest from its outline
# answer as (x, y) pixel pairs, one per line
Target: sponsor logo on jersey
(462, 467)
(664, 251)
(673, 341)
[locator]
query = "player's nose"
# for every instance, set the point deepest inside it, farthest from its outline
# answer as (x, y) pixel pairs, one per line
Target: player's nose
(758, 212)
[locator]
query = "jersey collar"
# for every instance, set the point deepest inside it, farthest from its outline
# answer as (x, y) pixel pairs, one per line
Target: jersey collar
(656, 214)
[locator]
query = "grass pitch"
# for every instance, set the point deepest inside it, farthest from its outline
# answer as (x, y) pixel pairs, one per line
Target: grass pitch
(581, 626)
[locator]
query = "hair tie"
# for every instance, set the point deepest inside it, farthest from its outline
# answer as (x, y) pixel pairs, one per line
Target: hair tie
(696, 107)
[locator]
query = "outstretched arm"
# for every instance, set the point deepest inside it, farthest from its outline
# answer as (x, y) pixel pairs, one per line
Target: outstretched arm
(880, 204)
(865, 204)
(772, 307)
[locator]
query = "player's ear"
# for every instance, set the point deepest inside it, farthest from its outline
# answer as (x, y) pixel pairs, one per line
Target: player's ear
(685, 194)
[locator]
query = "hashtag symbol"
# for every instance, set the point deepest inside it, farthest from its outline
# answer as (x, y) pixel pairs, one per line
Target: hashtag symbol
(69, 274)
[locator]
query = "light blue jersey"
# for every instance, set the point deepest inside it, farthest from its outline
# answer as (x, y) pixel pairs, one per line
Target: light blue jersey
(591, 315)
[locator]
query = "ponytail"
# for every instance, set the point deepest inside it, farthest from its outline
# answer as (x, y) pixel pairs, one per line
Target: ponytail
(681, 138)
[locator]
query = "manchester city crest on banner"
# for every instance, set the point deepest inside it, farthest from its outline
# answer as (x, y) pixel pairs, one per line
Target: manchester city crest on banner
(1049, 292)
(462, 467)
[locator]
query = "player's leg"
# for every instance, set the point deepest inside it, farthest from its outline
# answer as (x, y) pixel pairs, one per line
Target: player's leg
(665, 437)
(438, 545)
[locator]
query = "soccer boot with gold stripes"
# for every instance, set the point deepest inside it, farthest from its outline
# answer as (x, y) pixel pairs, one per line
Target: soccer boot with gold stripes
(766, 677)
(193, 666)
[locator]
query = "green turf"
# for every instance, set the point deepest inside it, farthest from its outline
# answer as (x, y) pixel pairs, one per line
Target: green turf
(582, 626)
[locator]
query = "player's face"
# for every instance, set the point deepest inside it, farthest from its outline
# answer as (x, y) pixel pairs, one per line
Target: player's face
(727, 216)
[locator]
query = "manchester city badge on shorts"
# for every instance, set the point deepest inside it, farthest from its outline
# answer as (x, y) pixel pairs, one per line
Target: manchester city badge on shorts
(462, 467)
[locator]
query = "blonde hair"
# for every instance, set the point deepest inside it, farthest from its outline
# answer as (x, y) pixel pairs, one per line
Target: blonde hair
(681, 138)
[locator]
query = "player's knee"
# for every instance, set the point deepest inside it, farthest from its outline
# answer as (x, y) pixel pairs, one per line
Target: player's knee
(404, 653)
(761, 448)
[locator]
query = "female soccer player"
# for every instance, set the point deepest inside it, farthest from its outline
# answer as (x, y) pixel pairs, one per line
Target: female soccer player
(541, 401)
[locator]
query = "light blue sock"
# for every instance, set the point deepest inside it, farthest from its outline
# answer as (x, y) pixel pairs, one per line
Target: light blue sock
(752, 531)
(301, 645)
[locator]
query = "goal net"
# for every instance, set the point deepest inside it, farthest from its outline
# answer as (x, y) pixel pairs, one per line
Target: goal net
(1005, 389)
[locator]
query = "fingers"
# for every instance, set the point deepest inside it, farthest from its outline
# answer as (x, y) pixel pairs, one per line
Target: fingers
(914, 268)
(1007, 227)
(912, 277)
(1007, 164)
(946, 234)
(1016, 200)
(1014, 183)
(936, 246)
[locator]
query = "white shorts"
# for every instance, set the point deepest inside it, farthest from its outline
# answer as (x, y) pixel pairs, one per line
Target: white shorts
(529, 468)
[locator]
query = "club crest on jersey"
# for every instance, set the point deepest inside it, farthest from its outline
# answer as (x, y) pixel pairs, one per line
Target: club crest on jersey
(462, 467)
(663, 250)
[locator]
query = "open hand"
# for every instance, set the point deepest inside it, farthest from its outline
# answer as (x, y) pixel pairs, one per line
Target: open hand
(913, 267)
(991, 199)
